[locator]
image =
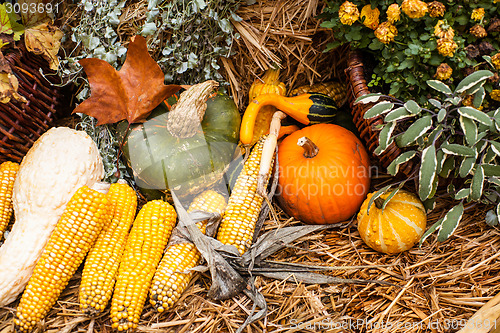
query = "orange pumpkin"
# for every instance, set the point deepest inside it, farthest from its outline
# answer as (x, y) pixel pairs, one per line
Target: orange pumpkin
(323, 174)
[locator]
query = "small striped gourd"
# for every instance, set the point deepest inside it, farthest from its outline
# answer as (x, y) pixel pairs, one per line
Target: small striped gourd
(397, 227)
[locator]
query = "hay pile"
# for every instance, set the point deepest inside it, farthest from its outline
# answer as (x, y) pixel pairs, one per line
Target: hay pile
(438, 287)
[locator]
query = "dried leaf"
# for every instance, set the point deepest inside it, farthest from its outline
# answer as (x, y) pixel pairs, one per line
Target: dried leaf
(130, 93)
(44, 39)
(8, 83)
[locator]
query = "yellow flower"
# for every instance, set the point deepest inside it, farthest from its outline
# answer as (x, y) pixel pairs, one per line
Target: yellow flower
(386, 32)
(348, 13)
(414, 8)
(446, 47)
(477, 14)
(393, 13)
(436, 9)
(478, 31)
(496, 60)
(495, 95)
(443, 72)
(370, 16)
(443, 30)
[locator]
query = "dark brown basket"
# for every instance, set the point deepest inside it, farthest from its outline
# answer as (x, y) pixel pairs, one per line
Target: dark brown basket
(357, 87)
(22, 123)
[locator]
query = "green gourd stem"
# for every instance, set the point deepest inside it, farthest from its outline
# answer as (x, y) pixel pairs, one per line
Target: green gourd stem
(310, 148)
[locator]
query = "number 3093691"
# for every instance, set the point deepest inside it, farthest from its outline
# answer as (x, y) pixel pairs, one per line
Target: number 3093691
(31, 8)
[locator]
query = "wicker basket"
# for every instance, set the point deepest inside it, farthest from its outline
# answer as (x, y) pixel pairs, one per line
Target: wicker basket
(357, 87)
(22, 123)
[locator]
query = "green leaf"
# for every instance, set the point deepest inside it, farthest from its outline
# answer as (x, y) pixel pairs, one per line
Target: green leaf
(427, 172)
(430, 231)
(441, 115)
(488, 60)
(439, 86)
(466, 166)
(472, 80)
(491, 218)
(454, 100)
(477, 183)
(475, 114)
(470, 130)
(392, 194)
(456, 149)
(448, 166)
(375, 196)
(429, 204)
(369, 98)
(378, 109)
(393, 168)
(479, 97)
(397, 114)
(416, 130)
(413, 107)
(494, 180)
(489, 156)
(450, 222)
(491, 170)
(462, 194)
(495, 146)
(437, 104)
(384, 137)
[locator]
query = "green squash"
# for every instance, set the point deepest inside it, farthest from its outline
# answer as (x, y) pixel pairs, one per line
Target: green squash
(162, 161)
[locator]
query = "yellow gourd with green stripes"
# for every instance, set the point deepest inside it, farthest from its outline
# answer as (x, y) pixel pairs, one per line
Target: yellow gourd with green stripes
(397, 227)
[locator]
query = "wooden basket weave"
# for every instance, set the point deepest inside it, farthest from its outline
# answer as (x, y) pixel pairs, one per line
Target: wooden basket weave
(22, 123)
(357, 87)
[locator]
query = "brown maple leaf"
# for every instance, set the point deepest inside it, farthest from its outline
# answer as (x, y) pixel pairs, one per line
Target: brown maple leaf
(130, 93)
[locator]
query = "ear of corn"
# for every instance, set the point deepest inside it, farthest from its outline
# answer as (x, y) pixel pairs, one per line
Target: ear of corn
(243, 208)
(145, 245)
(8, 172)
(101, 264)
(84, 217)
(173, 275)
(335, 89)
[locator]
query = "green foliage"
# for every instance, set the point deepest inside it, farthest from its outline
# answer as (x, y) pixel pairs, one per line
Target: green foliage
(405, 64)
(449, 140)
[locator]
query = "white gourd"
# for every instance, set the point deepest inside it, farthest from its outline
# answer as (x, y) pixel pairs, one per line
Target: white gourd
(60, 161)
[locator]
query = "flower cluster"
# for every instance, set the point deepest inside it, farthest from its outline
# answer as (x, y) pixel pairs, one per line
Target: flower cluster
(413, 41)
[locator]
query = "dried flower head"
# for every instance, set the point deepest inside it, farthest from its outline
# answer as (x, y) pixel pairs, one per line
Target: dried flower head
(495, 95)
(370, 17)
(477, 14)
(348, 13)
(496, 60)
(478, 31)
(414, 8)
(446, 47)
(443, 30)
(386, 32)
(436, 9)
(393, 13)
(443, 72)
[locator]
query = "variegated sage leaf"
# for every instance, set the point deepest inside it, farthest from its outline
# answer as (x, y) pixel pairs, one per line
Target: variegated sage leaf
(488, 60)
(393, 168)
(477, 183)
(384, 138)
(491, 170)
(462, 194)
(427, 172)
(466, 166)
(429, 204)
(495, 146)
(450, 222)
(480, 145)
(470, 130)
(441, 115)
(392, 194)
(441, 157)
(437, 104)
(375, 196)
(435, 133)
(472, 80)
(369, 98)
(430, 231)
(489, 156)
(479, 97)
(491, 218)
(397, 114)
(454, 100)
(413, 107)
(439, 86)
(475, 114)
(378, 109)
(498, 210)
(456, 149)
(448, 166)
(494, 180)
(415, 131)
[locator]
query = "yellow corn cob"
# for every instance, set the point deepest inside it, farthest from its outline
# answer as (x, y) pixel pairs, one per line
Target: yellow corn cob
(8, 172)
(101, 265)
(173, 275)
(76, 231)
(335, 89)
(145, 245)
(244, 204)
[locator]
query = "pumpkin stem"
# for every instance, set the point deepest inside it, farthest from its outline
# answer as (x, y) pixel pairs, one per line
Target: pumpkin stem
(310, 148)
(186, 115)
(379, 202)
